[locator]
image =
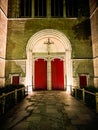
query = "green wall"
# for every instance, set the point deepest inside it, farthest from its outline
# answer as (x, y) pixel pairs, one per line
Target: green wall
(76, 30)
(20, 31)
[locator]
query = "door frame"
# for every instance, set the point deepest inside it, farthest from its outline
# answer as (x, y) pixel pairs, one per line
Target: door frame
(84, 75)
(15, 75)
(49, 81)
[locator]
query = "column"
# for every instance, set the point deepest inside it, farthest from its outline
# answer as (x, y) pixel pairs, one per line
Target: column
(64, 62)
(64, 9)
(33, 73)
(33, 9)
(49, 74)
(69, 69)
(29, 71)
(24, 7)
(3, 38)
(48, 8)
(17, 8)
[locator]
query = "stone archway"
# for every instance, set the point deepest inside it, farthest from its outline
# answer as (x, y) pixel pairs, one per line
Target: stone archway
(61, 48)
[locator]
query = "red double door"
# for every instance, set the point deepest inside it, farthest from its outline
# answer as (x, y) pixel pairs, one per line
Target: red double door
(57, 74)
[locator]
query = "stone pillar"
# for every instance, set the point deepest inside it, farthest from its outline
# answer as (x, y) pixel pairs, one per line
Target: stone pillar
(64, 8)
(14, 9)
(48, 8)
(3, 37)
(29, 71)
(24, 7)
(33, 72)
(69, 69)
(49, 74)
(33, 9)
(64, 73)
(17, 8)
(94, 32)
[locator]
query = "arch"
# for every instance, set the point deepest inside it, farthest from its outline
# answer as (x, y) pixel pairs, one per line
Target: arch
(34, 40)
(49, 33)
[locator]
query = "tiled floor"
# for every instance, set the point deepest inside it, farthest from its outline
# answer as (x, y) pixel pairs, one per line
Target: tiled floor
(50, 110)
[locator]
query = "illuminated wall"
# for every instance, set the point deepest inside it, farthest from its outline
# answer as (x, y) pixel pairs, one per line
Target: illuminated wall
(94, 32)
(22, 28)
(3, 37)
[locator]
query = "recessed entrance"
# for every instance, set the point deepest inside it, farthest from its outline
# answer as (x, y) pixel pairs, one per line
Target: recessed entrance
(49, 50)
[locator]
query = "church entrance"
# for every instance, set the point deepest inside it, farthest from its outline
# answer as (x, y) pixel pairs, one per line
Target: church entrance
(49, 64)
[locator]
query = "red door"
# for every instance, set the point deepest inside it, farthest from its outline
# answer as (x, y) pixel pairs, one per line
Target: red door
(57, 70)
(83, 81)
(15, 80)
(40, 74)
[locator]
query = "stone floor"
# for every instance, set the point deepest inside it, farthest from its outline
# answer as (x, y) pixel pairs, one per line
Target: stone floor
(50, 110)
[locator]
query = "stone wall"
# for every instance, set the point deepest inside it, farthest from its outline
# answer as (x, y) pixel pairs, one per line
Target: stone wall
(3, 36)
(20, 31)
(4, 6)
(13, 8)
(76, 30)
(93, 5)
(94, 32)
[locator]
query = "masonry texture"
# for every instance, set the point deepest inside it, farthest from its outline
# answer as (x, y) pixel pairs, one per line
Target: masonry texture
(3, 37)
(94, 28)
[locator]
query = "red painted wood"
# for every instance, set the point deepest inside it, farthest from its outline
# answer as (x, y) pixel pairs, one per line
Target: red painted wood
(40, 74)
(57, 70)
(83, 81)
(15, 80)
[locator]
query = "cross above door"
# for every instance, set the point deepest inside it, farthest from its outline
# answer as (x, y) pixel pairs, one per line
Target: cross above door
(49, 42)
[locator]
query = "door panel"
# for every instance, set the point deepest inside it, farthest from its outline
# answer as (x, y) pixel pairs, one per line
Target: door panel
(83, 81)
(40, 74)
(15, 80)
(57, 70)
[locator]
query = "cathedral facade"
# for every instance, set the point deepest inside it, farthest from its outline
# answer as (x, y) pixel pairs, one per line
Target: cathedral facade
(47, 44)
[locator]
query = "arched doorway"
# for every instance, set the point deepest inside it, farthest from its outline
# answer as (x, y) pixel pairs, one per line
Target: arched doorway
(49, 44)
